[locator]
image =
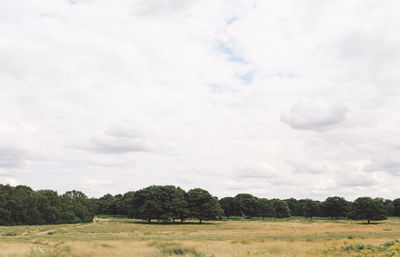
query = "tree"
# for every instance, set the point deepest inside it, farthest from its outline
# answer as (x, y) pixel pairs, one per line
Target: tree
(389, 207)
(396, 204)
(310, 208)
(296, 208)
(246, 205)
(265, 208)
(229, 206)
(180, 205)
(203, 205)
(164, 203)
(335, 207)
(127, 204)
(108, 204)
(281, 208)
(366, 208)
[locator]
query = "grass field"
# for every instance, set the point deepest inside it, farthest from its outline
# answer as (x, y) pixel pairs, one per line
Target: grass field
(125, 237)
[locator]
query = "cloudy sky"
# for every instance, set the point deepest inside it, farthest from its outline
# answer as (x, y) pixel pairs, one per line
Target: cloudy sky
(273, 98)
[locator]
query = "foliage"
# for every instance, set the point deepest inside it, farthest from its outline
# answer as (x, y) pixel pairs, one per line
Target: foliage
(366, 208)
(281, 208)
(246, 205)
(265, 208)
(21, 205)
(203, 205)
(311, 208)
(335, 207)
(228, 205)
(389, 249)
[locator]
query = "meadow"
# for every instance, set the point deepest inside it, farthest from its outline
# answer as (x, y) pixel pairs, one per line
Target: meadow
(108, 236)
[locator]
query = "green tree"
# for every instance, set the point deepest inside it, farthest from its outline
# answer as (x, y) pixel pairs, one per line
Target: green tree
(335, 207)
(389, 207)
(229, 206)
(366, 208)
(296, 208)
(246, 205)
(310, 208)
(265, 208)
(164, 203)
(281, 208)
(203, 205)
(396, 204)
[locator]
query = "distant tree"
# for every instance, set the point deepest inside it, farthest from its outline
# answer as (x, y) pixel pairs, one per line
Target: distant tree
(229, 206)
(180, 205)
(127, 204)
(281, 208)
(396, 204)
(83, 208)
(296, 208)
(335, 207)
(265, 208)
(389, 207)
(366, 208)
(164, 203)
(203, 205)
(246, 205)
(140, 207)
(310, 208)
(108, 204)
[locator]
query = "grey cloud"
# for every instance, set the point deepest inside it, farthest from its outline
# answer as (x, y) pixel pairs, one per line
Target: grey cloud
(117, 140)
(310, 168)
(159, 7)
(389, 165)
(109, 145)
(122, 131)
(11, 157)
(357, 180)
(316, 116)
(256, 171)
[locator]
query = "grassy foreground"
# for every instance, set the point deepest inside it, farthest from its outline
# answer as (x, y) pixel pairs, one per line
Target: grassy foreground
(125, 237)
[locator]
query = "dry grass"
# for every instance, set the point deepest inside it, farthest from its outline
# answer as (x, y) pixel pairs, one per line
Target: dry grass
(123, 237)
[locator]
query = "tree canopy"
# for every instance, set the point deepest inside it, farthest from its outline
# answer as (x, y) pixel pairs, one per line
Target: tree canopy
(366, 208)
(21, 205)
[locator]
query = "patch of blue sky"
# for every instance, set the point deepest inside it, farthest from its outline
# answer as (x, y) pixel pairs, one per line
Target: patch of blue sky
(234, 57)
(248, 77)
(215, 88)
(232, 20)
(73, 1)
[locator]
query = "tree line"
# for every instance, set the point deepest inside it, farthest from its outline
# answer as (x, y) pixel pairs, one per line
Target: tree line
(22, 205)
(363, 208)
(153, 203)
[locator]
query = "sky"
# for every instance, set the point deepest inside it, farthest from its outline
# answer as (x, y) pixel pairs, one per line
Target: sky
(274, 98)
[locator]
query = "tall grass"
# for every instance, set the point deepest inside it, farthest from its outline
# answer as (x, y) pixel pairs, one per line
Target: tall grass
(116, 236)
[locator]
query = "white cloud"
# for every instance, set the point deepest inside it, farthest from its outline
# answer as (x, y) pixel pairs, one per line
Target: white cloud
(222, 95)
(358, 179)
(256, 171)
(314, 115)
(9, 181)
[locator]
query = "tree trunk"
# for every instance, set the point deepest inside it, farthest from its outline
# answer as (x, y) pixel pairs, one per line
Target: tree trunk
(149, 221)
(182, 220)
(173, 220)
(200, 221)
(369, 222)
